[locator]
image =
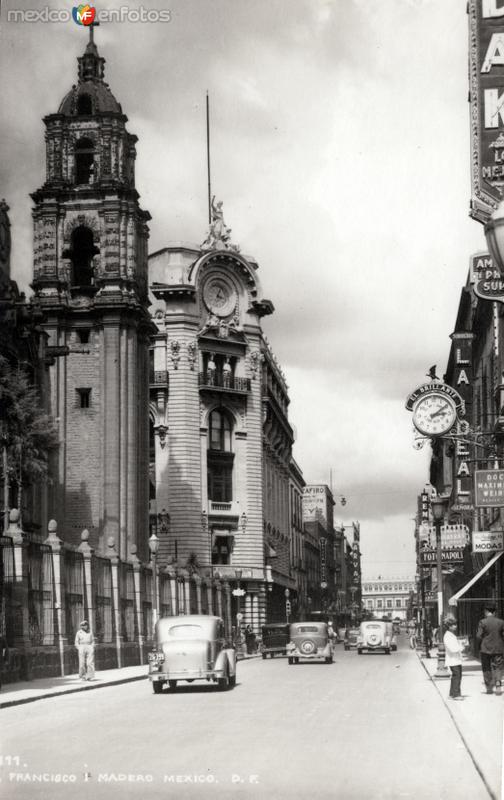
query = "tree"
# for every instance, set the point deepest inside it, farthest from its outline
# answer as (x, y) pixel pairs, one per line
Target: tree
(27, 433)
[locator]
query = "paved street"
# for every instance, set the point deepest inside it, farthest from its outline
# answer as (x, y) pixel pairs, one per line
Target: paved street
(365, 727)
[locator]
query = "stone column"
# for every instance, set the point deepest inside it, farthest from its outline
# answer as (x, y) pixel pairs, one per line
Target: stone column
(87, 553)
(229, 618)
(197, 581)
(209, 591)
(138, 599)
(114, 562)
(218, 589)
(20, 591)
(172, 572)
(56, 546)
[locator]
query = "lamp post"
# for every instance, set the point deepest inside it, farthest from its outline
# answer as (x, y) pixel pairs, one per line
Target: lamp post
(154, 547)
(287, 605)
(423, 614)
(438, 505)
(238, 594)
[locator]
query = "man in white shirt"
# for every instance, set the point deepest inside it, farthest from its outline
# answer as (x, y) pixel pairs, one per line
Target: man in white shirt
(84, 642)
(453, 658)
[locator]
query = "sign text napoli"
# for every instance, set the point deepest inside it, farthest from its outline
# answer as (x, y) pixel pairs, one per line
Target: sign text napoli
(451, 556)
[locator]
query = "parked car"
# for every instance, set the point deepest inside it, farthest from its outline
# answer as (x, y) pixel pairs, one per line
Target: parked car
(351, 636)
(376, 635)
(275, 638)
(310, 641)
(188, 648)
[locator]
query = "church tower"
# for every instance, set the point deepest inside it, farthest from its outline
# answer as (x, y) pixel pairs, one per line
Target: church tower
(90, 279)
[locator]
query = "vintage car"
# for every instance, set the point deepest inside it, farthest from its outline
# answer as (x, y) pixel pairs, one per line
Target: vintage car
(310, 641)
(191, 647)
(275, 638)
(376, 635)
(351, 637)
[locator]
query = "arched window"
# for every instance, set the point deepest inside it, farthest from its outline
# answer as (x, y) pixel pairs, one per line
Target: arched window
(220, 457)
(84, 161)
(84, 105)
(81, 254)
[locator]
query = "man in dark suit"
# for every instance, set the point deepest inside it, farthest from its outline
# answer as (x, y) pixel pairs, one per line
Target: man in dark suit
(491, 635)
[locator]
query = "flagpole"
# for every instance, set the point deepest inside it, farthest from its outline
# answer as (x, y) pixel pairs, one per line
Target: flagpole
(208, 159)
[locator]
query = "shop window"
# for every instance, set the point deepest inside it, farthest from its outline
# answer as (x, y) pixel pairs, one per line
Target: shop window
(220, 457)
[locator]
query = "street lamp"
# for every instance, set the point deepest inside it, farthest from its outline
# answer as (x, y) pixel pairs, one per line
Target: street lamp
(238, 593)
(287, 605)
(154, 547)
(438, 506)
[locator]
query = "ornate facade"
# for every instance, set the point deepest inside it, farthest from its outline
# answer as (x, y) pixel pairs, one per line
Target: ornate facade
(90, 281)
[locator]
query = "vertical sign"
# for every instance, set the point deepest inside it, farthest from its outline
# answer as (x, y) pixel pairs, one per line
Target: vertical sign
(486, 96)
(462, 493)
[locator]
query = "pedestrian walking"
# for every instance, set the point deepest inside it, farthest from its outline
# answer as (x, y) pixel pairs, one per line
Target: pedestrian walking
(491, 635)
(84, 642)
(453, 658)
(4, 655)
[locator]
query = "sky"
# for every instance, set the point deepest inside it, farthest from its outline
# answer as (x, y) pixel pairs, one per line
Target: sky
(340, 149)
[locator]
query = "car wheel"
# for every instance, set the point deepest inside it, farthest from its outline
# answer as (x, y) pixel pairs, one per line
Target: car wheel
(172, 684)
(291, 660)
(359, 651)
(296, 661)
(387, 651)
(264, 656)
(328, 660)
(223, 683)
(232, 681)
(157, 687)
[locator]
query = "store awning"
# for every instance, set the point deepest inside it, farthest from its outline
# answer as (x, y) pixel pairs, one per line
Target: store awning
(453, 600)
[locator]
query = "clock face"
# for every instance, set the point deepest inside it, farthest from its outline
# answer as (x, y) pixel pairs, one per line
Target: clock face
(434, 414)
(219, 296)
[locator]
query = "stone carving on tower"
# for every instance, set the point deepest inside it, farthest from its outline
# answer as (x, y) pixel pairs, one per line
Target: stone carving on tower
(219, 235)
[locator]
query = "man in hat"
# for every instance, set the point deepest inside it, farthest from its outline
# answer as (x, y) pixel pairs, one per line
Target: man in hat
(84, 642)
(491, 635)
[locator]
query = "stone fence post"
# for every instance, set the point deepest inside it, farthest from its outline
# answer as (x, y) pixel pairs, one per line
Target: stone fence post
(56, 545)
(137, 565)
(87, 554)
(197, 580)
(114, 562)
(20, 591)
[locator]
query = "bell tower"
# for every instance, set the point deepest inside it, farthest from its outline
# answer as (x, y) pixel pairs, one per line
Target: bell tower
(90, 280)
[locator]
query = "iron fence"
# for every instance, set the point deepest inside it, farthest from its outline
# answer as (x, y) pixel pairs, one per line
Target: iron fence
(41, 628)
(7, 576)
(101, 570)
(128, 616)
(73, 581)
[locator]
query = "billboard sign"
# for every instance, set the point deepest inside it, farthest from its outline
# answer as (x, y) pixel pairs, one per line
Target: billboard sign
(489, 488)
(487, 541)
(486, 95)
(451, 556)
(487, 281)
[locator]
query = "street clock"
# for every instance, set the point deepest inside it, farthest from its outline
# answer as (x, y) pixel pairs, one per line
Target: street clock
(434, 414)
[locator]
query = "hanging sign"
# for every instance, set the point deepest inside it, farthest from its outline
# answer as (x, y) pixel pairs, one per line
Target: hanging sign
(486, 95)
(489, 488)
(487, 281)
(451, 556)
(487, 541)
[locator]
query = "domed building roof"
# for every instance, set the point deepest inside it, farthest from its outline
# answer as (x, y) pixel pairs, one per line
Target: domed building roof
(102, 99)
(91, 95)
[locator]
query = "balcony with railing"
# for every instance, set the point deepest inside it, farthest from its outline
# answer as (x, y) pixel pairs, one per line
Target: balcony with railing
(217, 382)
(158, 378)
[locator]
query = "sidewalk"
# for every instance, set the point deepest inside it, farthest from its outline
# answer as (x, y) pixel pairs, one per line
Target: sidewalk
(14, 694)
(478, 719)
